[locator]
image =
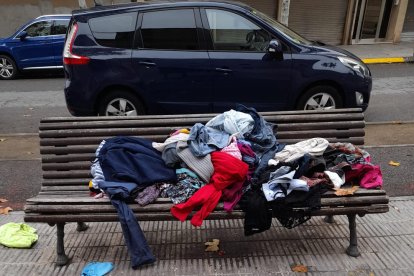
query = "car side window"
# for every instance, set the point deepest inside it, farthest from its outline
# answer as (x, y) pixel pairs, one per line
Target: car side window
(116, 31)
(60, 27)
(41, 28)
(169, 30)
(232, 32)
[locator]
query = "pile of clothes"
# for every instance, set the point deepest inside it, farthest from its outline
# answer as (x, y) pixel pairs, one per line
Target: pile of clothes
(235, 158)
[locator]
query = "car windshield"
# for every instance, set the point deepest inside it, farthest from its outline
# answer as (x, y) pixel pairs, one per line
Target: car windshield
(282, 28)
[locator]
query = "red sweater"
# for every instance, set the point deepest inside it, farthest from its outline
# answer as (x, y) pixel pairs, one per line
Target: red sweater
(227, 170)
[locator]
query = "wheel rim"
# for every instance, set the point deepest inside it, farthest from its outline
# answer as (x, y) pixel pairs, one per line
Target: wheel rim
(121, 107)
(320, 101)
(6, 68)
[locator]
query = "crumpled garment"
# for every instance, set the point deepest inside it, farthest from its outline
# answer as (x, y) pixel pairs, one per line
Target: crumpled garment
(313, 146)
(232, 122)
(97, 269)
(147, 195)
(170, 140)
(350, 148)
(96, 169)
(17, 235)
(138, 248)
(188, 183)
(232, 195)
(227, 170)
(280, 186)
(204, 140)
(263, 140)
(233, 149)
(368, 176)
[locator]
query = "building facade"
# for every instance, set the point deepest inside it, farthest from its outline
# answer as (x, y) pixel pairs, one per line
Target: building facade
(335, 21)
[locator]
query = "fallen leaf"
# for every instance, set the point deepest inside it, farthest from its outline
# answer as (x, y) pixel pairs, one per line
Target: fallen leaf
(3, 200)
(2, 139)
(5, 211)
(212, 246)
(29, 152)
(348, 191)
(222, 253)
(299, 268)
(393, 163)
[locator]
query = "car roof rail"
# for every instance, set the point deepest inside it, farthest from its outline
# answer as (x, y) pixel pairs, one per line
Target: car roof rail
(51, 15)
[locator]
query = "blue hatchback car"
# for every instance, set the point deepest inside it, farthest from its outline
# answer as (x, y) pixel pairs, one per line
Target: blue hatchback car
(36, 45)
(199, 57)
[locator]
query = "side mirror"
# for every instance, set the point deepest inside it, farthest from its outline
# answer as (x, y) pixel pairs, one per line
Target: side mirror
(274, 47)
(23, 35)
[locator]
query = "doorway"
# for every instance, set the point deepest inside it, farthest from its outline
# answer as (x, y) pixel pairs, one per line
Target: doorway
(370, 21)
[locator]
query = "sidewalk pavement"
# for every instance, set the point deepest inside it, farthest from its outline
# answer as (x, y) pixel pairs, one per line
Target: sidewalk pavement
(386, 243)
(402, 52)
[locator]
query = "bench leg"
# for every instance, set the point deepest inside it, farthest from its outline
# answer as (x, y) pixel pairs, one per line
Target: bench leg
(62, 259)
(82, 227)
(329, 219)
(352, 249)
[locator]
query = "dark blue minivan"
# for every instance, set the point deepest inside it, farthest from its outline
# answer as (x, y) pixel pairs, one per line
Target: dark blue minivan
(37, 45)
(201, 57)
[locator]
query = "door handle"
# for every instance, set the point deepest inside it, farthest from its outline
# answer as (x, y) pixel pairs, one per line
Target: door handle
(225, 71)
(147, 63)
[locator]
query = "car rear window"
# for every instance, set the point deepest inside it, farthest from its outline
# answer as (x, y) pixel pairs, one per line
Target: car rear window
(60, 26)
(169, 30)
(115, 31)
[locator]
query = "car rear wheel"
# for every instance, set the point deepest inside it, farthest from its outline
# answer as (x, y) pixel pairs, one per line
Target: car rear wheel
(8, 68)
(321, 97)
(121, 103)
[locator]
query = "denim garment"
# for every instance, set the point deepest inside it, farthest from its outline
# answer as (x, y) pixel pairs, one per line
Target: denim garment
(262, 139)
(204, 140)
(120, 193)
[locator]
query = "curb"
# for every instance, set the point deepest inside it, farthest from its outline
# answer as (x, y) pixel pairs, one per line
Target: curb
(388, 60)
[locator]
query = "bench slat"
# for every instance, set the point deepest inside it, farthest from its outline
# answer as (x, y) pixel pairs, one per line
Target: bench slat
(78, 149)
(281, 128)
(208, 115)
(54, 218)
(65, 204)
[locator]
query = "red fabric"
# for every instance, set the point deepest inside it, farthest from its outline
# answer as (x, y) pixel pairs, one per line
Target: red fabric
(368, 176)
(232, 195)
(227, 170)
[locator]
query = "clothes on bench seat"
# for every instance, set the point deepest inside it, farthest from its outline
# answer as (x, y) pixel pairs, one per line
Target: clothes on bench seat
(128, 164)
(245, 166)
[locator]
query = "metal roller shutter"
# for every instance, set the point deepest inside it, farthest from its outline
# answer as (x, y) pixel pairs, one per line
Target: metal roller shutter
(266, 6)
(319, 19)
(408, 29)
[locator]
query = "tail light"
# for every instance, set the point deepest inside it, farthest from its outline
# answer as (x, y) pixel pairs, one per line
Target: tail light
(68, 57)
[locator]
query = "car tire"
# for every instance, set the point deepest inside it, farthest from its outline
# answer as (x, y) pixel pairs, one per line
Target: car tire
(8, 68)
(320, 97)
(120, 103)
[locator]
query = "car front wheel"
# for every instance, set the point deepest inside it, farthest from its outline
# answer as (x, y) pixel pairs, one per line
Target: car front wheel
(320, 97)
(120, 103)
(8, 69)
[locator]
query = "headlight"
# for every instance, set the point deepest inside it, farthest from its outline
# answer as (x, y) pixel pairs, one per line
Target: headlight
(355, 65)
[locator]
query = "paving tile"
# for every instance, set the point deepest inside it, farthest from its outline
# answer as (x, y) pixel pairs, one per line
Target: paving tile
(386, 242)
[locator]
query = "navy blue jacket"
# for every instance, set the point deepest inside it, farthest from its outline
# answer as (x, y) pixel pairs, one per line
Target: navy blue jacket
(128, 164)
(133, 159)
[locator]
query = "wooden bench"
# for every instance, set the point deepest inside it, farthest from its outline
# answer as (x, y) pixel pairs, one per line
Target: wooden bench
(67, 147)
